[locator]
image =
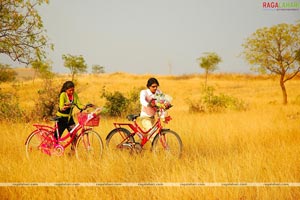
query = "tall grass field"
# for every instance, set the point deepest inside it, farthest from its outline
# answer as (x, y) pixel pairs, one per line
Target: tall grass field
(257, 145)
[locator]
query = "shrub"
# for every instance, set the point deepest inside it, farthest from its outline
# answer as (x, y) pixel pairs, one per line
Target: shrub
(9, 107)
(6, 73)
(117, 104)
(46, 104)
(134, 105)
(210, 102)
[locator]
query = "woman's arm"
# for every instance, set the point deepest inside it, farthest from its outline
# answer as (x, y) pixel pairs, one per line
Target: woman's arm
(77, 102)
(62, 101)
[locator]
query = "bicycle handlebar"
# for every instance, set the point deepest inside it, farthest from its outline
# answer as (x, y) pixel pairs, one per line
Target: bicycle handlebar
(89, 105)
(96, 111)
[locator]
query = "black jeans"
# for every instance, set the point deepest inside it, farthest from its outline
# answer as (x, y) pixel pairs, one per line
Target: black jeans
(63, 124)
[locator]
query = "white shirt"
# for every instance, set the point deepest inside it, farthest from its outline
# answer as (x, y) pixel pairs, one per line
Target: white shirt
(145, 98)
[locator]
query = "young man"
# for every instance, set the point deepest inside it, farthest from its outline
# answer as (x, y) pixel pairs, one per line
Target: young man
(148, 109)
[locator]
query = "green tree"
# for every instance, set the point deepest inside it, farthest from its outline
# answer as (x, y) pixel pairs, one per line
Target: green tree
(209, 63)
(76, 64)
(22, 35)
(42, 69)
(97, 69)
(275, 50)
(6, 73)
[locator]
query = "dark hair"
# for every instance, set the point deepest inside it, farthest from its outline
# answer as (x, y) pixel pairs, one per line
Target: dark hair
(152, 81)
(67, 85)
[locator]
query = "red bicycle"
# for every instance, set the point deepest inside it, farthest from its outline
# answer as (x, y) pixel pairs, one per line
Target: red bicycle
(164, 141)
(86, 142)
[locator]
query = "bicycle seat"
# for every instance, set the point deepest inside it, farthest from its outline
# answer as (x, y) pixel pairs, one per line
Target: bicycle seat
(55, 118)
(132, 117)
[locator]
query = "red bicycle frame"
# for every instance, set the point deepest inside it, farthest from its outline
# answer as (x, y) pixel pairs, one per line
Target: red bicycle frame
(50, 144)
(49, 141)
(143, 135)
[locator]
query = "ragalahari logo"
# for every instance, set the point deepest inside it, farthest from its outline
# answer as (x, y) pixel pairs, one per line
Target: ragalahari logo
(281, 5)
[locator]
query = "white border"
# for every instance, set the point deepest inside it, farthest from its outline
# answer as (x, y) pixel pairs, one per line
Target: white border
(148, 184)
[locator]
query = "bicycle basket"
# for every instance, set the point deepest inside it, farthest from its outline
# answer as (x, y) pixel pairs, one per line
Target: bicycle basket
(87, 119)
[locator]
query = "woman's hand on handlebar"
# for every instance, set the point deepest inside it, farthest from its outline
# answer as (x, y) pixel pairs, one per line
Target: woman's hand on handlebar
(66, 106)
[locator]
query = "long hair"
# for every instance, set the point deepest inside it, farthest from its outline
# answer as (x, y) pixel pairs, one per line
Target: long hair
(66, 85)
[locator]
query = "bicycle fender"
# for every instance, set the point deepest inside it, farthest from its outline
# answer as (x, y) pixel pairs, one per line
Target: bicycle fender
(116, 129)
(43, 127)
(33, 132)
(154, 139)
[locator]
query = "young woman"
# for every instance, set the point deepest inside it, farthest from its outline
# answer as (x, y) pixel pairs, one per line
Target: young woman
(68, 99)
(147, 98)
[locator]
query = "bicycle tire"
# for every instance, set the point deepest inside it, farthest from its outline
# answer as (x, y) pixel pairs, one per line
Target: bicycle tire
(34, 142)
(168, 143)
(115, 137)
(89, 146)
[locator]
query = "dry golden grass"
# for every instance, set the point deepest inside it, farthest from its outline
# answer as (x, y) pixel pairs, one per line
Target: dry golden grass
(257, 145)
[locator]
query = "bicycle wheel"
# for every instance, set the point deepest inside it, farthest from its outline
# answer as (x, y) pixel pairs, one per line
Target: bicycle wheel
(118, 139)
(89, 146)
(37, 144)
(168, 142)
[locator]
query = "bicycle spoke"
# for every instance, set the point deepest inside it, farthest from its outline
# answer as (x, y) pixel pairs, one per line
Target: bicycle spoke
(118, 140)
(168, 143)
(38, 144)
(89, 146)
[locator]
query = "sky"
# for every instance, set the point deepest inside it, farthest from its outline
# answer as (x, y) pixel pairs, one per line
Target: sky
(155, 36)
